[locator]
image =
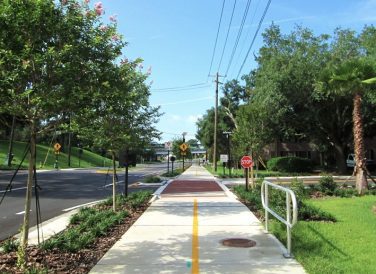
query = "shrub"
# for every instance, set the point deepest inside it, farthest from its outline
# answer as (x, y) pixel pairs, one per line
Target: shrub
(327, 185)
(345, 192)
(152, 179)
(290, 164)
(309, 212)
(10, 245)
(277, 201)
(299, 189)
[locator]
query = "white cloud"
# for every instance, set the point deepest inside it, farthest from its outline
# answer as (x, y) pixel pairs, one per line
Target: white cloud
(193, 118)
(175, 117)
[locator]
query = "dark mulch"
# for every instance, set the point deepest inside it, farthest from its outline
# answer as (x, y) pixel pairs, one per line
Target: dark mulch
(83, 261)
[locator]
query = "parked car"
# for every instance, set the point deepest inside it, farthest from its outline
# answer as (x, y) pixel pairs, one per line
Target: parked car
(350, 161)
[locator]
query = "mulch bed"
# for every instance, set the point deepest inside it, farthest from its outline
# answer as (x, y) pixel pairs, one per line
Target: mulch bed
(56, 261)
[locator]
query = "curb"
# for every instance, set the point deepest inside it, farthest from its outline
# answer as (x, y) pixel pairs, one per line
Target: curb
(157, 193)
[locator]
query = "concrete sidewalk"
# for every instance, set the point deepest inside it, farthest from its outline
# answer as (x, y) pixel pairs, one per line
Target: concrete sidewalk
(182, 233)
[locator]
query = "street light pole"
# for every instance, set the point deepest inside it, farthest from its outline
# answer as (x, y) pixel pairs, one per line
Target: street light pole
(228, 134)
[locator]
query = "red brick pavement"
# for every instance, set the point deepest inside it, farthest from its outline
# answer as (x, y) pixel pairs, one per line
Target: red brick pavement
(183, 186)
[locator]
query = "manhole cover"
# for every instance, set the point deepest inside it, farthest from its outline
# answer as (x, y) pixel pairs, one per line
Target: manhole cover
(238, 242)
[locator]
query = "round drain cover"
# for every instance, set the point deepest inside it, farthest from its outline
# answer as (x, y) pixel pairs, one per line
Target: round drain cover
(238, 242)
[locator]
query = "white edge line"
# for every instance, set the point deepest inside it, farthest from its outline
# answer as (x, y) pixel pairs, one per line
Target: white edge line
(78, 206)
(13, 189)
(20, 213)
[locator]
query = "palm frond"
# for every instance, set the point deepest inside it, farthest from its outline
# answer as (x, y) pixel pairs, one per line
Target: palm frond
(370, 81)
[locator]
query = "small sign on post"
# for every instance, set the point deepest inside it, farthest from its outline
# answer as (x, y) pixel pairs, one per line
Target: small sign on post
(57, 147)
(246, 163)
(223, 158)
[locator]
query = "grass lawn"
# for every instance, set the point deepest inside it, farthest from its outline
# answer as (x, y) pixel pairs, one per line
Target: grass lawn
(346, 246)
(240, 172)
(88, 158)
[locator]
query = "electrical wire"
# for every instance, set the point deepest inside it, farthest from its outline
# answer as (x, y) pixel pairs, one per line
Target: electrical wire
(216, 39)
(248, 33)
(180, 87)
(228, 32)
(183, 89)
(254, 37)
(239, 35)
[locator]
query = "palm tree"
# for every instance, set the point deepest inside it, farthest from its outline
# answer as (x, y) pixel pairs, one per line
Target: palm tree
(348, 79)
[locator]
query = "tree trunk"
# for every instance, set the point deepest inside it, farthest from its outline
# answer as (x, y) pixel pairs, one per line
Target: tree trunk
(340, 158)
(113, 182)
(10, 150)
(21, 260)
(69, 142)
(361, 180)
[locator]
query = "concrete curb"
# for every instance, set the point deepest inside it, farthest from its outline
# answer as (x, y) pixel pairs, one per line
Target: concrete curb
(157, 193)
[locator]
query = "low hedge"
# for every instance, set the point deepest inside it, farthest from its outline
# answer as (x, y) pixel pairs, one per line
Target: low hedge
(290, 164)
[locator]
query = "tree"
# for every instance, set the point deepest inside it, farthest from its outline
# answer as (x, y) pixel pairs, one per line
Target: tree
(119, 118)
(284, 95)
(205, 130)
(351, 77)
(52, 57)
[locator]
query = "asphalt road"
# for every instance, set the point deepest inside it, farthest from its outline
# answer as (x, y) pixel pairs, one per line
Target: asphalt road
(61, 190)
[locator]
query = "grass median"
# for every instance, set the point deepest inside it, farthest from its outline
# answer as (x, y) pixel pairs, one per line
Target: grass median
(333, 234)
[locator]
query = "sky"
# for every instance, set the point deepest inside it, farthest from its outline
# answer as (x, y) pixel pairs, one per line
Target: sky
(176, 38)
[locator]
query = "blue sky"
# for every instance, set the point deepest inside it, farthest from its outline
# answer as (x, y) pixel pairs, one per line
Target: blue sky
(176, 38)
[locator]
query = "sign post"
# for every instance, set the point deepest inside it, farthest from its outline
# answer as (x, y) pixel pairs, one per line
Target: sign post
(57, 147)
(246, 163)
(183, 148)
(172, 164)
(224, 159)
(168, 146)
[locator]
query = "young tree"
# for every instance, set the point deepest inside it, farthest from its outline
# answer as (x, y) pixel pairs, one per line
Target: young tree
(53, 55)
(120, 117)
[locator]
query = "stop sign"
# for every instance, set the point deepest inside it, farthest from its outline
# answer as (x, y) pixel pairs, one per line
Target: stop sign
(246, 161)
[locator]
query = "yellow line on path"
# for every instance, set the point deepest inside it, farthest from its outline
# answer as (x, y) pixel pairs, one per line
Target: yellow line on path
(195, 251)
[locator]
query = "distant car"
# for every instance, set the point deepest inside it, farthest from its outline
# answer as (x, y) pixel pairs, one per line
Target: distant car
(350, 161)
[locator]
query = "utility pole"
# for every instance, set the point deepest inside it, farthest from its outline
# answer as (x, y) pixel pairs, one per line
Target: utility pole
(215, 121)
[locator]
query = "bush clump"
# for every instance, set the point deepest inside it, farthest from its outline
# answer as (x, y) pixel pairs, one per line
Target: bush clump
(88, 224)
(10, 245)
(152, 179)
(327, 185)
(290, 164)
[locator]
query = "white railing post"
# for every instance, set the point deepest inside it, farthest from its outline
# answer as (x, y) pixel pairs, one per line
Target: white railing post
(288, 219)
(290, 203)
(266, 206)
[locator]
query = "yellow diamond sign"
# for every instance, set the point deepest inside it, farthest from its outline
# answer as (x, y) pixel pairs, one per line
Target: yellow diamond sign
(183, 147)
(57, 146)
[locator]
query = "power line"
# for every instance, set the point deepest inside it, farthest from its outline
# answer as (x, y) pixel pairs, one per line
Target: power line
(254, 37)
(180, 87)
(187, 88)
(216, 39)
(239, 35)
(228, 32)
(248, 33)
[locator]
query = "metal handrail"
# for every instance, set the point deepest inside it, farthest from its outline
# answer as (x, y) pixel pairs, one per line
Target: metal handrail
(290, 200)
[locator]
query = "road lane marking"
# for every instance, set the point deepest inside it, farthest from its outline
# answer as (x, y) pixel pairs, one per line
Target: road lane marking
(22, 212)
(13, 189)
(78, 206)
(195, 247)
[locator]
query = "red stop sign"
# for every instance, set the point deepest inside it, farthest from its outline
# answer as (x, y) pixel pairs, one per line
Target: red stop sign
(246, 161)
